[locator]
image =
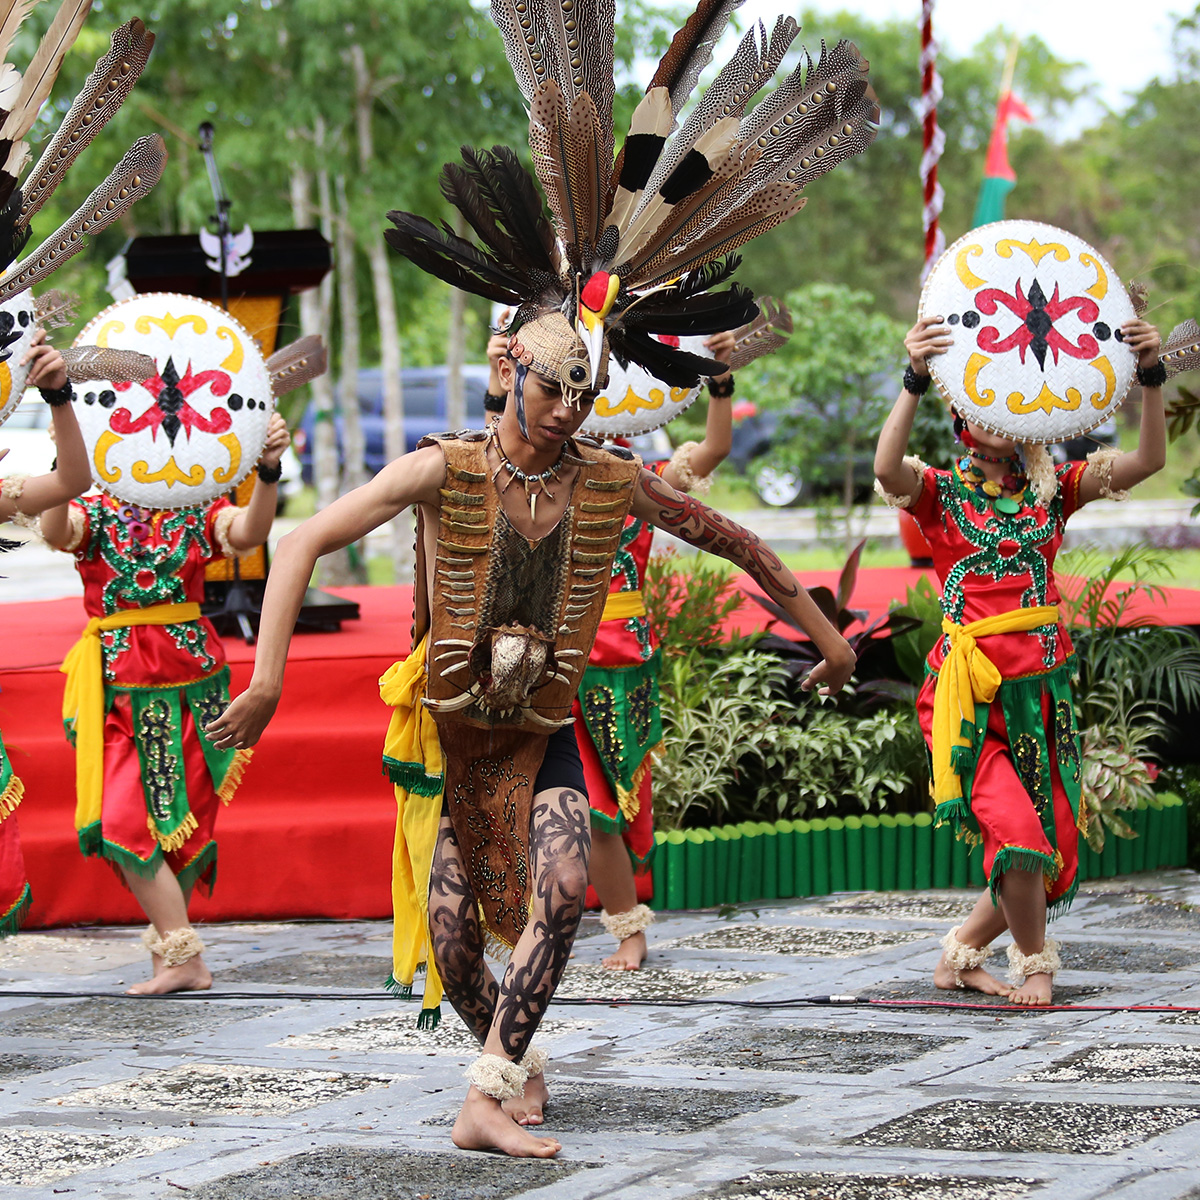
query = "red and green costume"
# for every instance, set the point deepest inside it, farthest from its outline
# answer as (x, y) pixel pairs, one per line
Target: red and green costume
(158, 788)
(14, 886)
(617, 719)
(1016, 766)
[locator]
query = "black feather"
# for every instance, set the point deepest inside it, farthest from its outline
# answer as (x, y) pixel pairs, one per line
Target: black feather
(13, 235)
(712, 312)
(452, 259)
(513, 198)
(676, 368)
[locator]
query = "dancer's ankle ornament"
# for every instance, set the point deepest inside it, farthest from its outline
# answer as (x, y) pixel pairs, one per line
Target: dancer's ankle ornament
(500, 1078)
(961, 957)
(1045, 962)
(624, 925)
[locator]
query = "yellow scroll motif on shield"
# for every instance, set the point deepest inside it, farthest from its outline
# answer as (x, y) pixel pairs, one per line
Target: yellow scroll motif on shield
(5, 384)
(1099, 289)
(171, 474)
(169, 324)
(631, 402)
(975, 364)
(1045, 400)
(231, 443)
(1033, 248)
(104, 443)
(108, 328)
(237, 355)
(966, 276)
(1098, 399)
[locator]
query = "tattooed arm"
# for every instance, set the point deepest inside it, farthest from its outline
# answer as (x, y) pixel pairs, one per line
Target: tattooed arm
(695, 523)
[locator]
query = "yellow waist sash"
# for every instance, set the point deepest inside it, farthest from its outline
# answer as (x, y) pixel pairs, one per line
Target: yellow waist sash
(83, 698)
(622, 606)
(968, 677)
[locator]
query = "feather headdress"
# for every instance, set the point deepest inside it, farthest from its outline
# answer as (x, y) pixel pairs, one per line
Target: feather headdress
(640, 246)
(21, 97)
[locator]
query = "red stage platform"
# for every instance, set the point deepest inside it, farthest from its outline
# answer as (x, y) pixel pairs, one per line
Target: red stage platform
(310, 832)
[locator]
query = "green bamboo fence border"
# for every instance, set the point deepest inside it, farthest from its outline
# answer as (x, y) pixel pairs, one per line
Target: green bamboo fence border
(701, 868)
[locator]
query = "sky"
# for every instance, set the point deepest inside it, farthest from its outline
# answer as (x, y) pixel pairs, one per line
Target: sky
(1119, 52)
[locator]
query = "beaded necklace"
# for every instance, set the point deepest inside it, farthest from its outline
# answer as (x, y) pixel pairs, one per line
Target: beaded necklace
(535, 485)
(988, 490)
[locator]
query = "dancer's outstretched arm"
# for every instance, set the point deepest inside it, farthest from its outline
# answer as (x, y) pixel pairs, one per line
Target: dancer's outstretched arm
(695, 523)
(1150, 454)
(71, 474)
(411, 479)
(709, 454)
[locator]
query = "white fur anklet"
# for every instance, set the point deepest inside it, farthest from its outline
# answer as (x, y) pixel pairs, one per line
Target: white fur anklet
(960, 956)
(535, 1061)
(150, 938)
(625, 924)
(176, 948)
(497, 1077)
(1021, 966)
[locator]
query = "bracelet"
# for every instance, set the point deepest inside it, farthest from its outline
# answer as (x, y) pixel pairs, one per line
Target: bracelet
(720, 391)
(57, 397)
(1152, 377)
(914, 384)
(493, 403)
(270, 474)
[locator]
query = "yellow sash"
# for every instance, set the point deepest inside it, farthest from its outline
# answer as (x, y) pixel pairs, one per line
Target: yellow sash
(83, 698)
(413, 758)
(622, 606)
(968, 677)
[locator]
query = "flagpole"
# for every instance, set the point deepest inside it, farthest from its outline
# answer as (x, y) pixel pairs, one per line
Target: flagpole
(933, 142)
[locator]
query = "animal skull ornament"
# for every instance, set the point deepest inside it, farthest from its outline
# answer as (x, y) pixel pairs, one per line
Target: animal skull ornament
(192, 431)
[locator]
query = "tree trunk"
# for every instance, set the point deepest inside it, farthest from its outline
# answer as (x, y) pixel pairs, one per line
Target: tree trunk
(394, 441)
(314, 319)
(354, 472)
(456, 348)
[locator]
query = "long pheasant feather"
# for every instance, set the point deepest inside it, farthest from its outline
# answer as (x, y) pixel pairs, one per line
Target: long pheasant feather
(1182, 351)
(39, 76)
(105, 91)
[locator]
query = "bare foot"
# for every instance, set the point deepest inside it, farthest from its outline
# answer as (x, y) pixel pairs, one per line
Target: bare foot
(975, 980)
(527, 1108)
(191, 976)
(629, 955)
(1037, 989)
(483, 1125)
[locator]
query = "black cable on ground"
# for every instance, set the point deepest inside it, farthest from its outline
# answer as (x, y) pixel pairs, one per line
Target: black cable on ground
(810, 1002)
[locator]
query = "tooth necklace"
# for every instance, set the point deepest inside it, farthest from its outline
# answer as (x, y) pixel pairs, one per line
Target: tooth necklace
(535, 485)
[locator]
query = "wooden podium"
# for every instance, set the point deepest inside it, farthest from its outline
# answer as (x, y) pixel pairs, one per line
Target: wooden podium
(282, 262)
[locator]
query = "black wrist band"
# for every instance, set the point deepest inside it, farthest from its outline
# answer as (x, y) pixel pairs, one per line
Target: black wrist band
(722, 390)
(57, 397)
(493, 403)
(1152, 377)
(916, 385)
(270, 474)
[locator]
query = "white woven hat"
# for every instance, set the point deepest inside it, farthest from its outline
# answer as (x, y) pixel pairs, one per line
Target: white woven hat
(1036, 315)
(635, 402)
(17, 327)
(193, 431)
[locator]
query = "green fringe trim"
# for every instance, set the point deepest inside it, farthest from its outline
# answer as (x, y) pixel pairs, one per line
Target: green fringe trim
(92, 843)
(12, 920)
(198, 870)
(957, 814)
(402, 991)
(1019, 858)
(607, 824)
(412, 777)
(430, 1018)
(1060, 906)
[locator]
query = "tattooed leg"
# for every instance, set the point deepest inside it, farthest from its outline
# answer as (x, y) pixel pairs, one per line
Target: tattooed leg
(559, 844)
(559, 841)
(456, 938)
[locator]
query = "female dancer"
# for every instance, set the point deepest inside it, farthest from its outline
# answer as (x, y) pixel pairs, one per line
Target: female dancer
(149, 672)
(21, 498)
(1012, 777)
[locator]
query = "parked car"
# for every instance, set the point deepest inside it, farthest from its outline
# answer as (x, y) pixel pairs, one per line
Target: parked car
(424, 411)
(754, 438)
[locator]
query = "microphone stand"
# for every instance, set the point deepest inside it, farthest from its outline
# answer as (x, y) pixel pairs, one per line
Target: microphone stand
(240, 605)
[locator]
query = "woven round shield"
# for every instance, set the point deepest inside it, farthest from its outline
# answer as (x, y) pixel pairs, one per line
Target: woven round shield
(193, 431)
(1036, 316)
(635, 402)
(17, 327)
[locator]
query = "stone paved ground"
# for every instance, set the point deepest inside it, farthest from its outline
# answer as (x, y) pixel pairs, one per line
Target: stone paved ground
(744, 1093)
